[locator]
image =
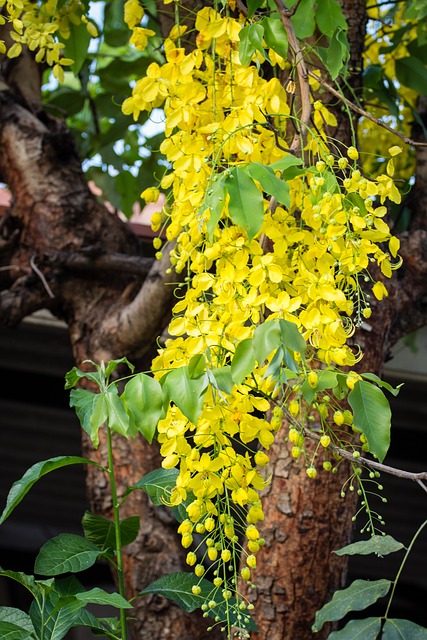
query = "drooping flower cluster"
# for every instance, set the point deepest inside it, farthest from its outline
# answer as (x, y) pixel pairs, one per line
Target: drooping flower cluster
(305, 262)
(43, 27)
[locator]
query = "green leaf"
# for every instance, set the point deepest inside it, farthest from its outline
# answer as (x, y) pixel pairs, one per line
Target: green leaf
(267, 338)
(272, 185)
(66, 553)
(143, 400)
(329, 16)
(412, 72)
(246, 204)
(303, 19)
(101, 531)
(253, 5)
(17, 617)
(75, 374)
(99, 596)
(275, 35)
(35, 587)
(382, 383)
(187, 393)
(21, 487)
(337, 54)
(243, 361)
(97, 414)
(196, 366)
(291, 337)
(380, 545)
(69, 101)
(372, 415)
(57, 616)
(214, 201)
(113, 364)
(177, 587)
(77, 45)
(85, 402)
(367, 629)
(287, 162)
(118, 419)
(105, 627)
(158, 484)
(223, 379)
(358, 596)
(11, 631)
(250, 42)
(397, 629)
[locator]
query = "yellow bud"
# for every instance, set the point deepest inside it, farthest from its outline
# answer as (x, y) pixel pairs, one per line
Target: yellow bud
(191, 558)
(293, 408)
(261, 458)
(213, 554)
(245, 573)
(252, 532)
(199, 570)
(339, 418)
(251, 561)
(187, 540)
(312, 379)
(325, 441)
(352, 153)
(311, 472)
(225, 555)
(209, 524)
(196, 589)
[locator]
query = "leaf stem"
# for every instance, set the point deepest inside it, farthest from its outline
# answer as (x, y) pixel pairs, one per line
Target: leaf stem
(408, 551)
(116, 513)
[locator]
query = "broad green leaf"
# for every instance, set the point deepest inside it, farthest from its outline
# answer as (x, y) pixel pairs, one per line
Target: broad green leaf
(250, 42)
(380, 545)
(70, 101)
(113, 364)
(382, 383)
(291, 337)
(253, 5)
(158, 485)
(287, 162)
(177, 587)
(118, 419)
(412, 72)
(397, 629)
(214, 201)
(98, 415)
(303, 19)
(101, 531)
(105, 627)
(66, 553)
(329, 16)
(243, 361)
(196, 366)
(99, 596)
(372, 415)
(367, 629)
(358, 596)
(275, 35)
(223, 379)
(21, 487)
(267, 338)
(77, 45)
(276, 364)
(336, 55)
(143, 400)
(272, 185)
(246, 204)
(35, 587)
(57, 619)
(187, 393)
(75, 374)
(11, 631)
(85, 402)
(18, 617)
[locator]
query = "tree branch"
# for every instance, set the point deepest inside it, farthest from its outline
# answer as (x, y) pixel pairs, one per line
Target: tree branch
(304, 87)
(364, 113)
(113, 262)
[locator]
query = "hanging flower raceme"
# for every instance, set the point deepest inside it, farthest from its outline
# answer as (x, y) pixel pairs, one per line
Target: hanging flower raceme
(274, 249)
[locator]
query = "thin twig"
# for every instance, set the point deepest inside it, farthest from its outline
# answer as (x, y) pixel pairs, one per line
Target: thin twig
(399, 473)
(41, 276)
(366, 114)
(304, 87)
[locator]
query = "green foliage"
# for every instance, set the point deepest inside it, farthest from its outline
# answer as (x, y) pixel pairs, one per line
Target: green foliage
(177, 587)
(379, 545)
(372, 415)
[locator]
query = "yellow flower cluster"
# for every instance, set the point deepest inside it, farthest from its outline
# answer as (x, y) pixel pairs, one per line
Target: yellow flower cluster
(305, 264)
(39, 26)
